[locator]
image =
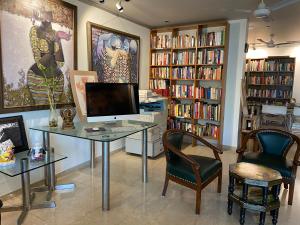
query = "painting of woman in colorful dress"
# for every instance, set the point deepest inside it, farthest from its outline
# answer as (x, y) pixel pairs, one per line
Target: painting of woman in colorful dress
(38, 51)
(113, 55)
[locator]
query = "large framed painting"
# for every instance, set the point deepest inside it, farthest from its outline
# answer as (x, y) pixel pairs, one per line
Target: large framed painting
(78, 80)
(38, 50)
(113, 54)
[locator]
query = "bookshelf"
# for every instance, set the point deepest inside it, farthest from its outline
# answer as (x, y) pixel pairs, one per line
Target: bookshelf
(187, 65)
(269, 81)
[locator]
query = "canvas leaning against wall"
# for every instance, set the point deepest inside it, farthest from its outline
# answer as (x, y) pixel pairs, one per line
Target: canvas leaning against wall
(38, 50)
(113, 54)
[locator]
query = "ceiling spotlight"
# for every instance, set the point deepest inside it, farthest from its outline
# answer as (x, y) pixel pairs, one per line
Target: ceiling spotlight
(101, 1)
(119, 6)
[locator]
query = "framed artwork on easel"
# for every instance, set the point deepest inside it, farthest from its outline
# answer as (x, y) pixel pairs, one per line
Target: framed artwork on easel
(78, 80)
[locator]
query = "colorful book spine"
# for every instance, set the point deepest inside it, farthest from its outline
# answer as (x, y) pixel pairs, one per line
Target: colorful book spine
(161, 72)
(183, 58)
(182, 91)
(181, 125)
(208, 93)
(161, 41)
(208, 130)
(160, 58)
(183, 73)
(158, 84)
(210, 73)
(207, 111)
(216, 38)
(181, 110)
(215, 56)
(184, 41)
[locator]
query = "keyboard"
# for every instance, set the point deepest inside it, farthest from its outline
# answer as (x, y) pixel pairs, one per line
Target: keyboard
(121, 129)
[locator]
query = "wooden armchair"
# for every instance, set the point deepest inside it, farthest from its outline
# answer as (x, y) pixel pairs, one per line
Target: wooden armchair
(192, 171)
(274, 146)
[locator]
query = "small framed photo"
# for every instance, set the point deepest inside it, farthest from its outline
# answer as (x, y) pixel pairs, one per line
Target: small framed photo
(12, 131)
(78, 80)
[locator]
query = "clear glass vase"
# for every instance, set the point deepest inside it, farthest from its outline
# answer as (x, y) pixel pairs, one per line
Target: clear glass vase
(53, 116)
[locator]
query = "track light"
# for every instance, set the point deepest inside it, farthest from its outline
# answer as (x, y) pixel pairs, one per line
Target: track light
(101, 1)
(119, 6)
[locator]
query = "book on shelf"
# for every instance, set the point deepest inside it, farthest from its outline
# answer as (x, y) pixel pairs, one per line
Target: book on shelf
(207, 111)
(210, 73)
(183, 73)
(272, 93)
(271, 65)
(161, 41)
(181, 110)
(216, 38)
(160, 72)
(158, 84)
(182, 91)
(214, 56)
(208, 130)
(181, 125)
(184, 41)
(160, 58)
(208, 93)
(183, 58)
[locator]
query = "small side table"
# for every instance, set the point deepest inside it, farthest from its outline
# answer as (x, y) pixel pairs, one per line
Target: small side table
(260, 190)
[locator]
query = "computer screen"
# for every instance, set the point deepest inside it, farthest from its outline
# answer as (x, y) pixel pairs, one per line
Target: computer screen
(111, 99)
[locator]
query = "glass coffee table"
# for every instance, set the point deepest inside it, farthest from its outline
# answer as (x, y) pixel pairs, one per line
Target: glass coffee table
(23, 166)
(104, 132)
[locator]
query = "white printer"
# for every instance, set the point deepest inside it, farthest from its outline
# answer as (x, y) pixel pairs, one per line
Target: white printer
(153, 108)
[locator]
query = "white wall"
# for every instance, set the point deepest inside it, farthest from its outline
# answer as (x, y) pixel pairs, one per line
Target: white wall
(292, 51)
(236, 60)
(78, 150)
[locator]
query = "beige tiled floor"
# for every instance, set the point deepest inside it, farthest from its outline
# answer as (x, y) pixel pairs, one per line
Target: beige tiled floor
(132, 202)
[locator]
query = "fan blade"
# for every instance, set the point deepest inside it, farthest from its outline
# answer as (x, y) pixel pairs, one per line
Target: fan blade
(282, 4)
(283, 43)
(293, 42)
(261, 40)
(243, 10)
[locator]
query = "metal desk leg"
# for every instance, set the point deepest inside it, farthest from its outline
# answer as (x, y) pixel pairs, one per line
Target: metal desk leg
(93, 154)
(144, 156)
(50, 178)
(105, 176)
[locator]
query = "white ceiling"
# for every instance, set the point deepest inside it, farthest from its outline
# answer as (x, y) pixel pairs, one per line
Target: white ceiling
(154, 13)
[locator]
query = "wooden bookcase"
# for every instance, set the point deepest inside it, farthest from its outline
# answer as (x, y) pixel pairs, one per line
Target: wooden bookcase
(269, 81)
(188, 65)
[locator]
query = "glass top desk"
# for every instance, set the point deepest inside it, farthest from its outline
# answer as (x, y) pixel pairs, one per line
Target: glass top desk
(104, 132)
(23, 166)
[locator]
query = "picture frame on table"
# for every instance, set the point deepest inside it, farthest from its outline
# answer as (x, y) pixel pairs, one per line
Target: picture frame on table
(78, 80)
(38, 48)
(113, 54)
(12, 130)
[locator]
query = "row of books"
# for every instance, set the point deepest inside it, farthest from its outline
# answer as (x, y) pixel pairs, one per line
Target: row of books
(255, 65)
(160, 58)
(182, 91)
(161, 41)
(208, 130)
(161, 72)
(185, 57)
(162, 92)
(181, 125)
(210, 73)
(216, 38)
(265, 93)
(271, 80)
(181, 110)
(184, 41)
(158, 84)
(207, 111)
(208, 93)
(269, 66)
(183, 73)
(215, 56)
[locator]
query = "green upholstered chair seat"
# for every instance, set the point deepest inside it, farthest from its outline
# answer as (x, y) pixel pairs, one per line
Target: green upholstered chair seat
(208, 167)
(278, 163)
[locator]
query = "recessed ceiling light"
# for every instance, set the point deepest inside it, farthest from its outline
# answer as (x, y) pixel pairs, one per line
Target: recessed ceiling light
(101, 1)
(166, 21)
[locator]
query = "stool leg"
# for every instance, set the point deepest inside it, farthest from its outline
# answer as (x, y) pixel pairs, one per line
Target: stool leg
(242, 216)
(230, 191)
(262, 218)
(275, 216)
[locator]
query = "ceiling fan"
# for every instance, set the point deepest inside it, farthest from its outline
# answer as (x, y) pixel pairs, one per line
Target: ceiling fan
(263, 11)
(272, 44)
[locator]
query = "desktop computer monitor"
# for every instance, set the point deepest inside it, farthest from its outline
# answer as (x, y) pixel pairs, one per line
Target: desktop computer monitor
(111, 101)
